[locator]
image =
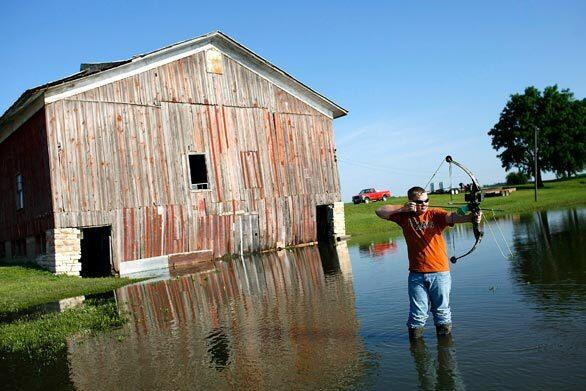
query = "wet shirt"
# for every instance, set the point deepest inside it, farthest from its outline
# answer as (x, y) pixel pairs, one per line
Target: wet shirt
(425, 244)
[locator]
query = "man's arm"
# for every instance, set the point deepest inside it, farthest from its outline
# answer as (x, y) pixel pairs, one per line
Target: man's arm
(385, 212)
(454, 218)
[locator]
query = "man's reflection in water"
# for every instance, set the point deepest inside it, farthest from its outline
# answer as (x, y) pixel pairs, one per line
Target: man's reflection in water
(440, 375)
(218, 347)
(217, 342)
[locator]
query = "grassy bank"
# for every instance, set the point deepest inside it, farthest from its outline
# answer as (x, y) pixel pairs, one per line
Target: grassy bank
(361, 220)
(22, 287)
(44, 336)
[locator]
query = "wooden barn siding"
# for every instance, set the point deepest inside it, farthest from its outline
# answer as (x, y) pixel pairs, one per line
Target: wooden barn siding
(124, 153)
(25, 152)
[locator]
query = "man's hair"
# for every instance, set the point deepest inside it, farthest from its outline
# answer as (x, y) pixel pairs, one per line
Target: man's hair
(415, 191)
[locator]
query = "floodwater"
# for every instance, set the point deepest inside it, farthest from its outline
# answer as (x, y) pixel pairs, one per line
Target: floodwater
(334, 318)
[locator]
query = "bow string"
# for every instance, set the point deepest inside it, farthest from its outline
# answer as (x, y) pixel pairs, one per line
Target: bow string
(473, 197)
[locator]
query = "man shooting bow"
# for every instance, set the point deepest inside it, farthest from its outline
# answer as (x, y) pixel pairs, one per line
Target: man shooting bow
(429, 281)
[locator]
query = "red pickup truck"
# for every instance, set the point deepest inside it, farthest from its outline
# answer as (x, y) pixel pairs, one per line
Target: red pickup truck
(368, 195)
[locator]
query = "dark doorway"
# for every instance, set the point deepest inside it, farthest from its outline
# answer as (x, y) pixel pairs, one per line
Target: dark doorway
(324, 215)
(95, 252)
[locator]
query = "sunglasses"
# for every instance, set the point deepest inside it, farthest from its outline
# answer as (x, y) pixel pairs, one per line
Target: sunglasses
(420, 202)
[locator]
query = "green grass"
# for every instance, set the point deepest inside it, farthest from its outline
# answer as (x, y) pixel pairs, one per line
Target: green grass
(361, 220)
(26, 286)
(45, 336)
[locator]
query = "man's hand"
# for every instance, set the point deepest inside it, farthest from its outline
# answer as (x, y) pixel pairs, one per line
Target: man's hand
(454, 218)
(409, 207)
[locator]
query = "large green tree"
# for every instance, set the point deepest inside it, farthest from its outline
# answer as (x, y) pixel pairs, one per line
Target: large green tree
(560, 122)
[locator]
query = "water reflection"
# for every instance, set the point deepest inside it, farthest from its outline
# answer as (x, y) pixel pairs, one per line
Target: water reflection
(518, 320)
(218, 349)
(551, 257)
(279, 320)
(440, 374)
(551, 247)
(378, 249)
(290, 320)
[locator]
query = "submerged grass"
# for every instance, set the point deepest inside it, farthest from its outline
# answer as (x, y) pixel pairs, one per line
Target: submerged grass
(24, 286)
(361, 220)
(43, 336)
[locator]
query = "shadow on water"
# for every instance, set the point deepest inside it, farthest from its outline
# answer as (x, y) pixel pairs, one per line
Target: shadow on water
(20, 372)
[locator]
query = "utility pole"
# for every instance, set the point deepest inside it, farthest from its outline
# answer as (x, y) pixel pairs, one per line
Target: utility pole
(535, 157)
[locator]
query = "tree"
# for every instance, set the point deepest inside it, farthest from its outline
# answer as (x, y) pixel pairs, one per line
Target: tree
(560, 122)
(566, 137)
(517, 178)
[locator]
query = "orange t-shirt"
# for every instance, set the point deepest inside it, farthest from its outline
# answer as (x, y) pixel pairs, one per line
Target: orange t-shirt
(425, 244)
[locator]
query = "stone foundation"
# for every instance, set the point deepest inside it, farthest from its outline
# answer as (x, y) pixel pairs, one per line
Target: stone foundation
(339, 220)
(63, 251)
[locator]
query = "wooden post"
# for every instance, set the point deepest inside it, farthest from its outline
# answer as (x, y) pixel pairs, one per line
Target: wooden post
(535, 157)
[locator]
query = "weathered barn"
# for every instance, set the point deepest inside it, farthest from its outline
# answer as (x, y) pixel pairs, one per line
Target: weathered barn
(195, 151)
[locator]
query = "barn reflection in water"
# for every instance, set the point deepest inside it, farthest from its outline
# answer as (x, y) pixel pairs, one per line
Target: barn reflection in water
(278, 320)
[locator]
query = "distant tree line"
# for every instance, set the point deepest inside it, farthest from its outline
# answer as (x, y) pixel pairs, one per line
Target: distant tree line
(560, 122)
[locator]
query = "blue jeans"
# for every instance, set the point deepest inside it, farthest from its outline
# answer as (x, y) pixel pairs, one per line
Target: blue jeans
(429, 291)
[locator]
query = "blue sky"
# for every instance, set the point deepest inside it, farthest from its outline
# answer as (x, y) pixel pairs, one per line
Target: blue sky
(420, 79)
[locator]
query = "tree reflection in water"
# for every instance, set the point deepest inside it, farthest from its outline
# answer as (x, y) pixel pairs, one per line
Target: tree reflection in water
(551, 257)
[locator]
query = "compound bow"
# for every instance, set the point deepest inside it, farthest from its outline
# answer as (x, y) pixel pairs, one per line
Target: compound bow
(473, 197)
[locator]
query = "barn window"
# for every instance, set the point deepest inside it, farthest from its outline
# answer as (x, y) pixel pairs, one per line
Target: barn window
(19, 193)
(198, 171)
